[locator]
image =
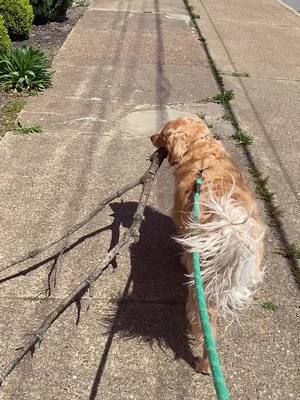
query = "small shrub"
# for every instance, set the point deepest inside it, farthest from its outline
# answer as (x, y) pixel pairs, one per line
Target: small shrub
(4, 37)
(49, 10)
(24, 69)
(18, 17)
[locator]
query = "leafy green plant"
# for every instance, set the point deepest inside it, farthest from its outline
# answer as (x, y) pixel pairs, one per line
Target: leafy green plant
(21, 129)
(268, 305)
(49, 10)
(18, 17)
(4, 37)
(24, 69)
(242, 138)
(224, 97)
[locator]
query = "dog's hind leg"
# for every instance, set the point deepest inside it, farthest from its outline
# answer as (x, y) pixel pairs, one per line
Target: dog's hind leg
(194, 321)
(192, 311)
(202, 364)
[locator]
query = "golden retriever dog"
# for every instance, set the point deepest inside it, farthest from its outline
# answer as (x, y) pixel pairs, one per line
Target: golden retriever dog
(229, 234)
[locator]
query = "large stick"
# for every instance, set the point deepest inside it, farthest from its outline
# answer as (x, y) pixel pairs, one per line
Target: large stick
(132, 234)
(33, 253)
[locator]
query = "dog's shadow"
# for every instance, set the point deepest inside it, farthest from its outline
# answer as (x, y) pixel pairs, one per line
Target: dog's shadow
(152, 306)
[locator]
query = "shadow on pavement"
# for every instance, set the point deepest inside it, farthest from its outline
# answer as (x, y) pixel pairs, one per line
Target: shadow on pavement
(152, 306)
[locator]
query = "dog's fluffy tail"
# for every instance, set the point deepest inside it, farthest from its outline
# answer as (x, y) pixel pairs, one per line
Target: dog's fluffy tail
(228, 247)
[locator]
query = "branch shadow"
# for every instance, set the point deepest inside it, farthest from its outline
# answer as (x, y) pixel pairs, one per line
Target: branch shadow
(152, 306)
(114, 227)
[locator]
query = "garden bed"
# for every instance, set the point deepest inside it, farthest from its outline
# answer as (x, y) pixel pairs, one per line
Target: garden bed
(48, 38)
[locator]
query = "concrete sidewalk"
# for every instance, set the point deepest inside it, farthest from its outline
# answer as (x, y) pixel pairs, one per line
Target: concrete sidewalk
(127, 67)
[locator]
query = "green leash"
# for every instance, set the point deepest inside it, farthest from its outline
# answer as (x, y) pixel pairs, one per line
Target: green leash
(210, 344)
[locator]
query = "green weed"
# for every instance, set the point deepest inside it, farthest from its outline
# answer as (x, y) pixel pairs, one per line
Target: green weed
(242, 138)
(223, 98)
(268, 305)
(26, 130)
(8, 114)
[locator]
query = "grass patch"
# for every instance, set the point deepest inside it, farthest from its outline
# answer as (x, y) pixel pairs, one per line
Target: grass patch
(8, 115)
(268, 305)
(223, 98)
(242, 138)
(21, 129)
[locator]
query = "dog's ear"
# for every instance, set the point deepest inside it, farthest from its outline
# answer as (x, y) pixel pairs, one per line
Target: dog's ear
(177, 146)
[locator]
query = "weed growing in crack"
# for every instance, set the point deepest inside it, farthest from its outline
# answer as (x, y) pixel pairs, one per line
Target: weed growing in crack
(26, 130)
(263, 192)
(242, 138)
(223, 98)
(268, 305)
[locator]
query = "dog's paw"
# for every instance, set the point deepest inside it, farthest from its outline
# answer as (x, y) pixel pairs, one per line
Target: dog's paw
(202, 366)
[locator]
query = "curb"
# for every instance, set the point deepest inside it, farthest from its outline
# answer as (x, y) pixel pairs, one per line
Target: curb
(289, 8)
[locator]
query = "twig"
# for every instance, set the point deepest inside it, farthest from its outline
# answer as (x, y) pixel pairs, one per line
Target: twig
(132, 234)
(33, 253)
(53, 270)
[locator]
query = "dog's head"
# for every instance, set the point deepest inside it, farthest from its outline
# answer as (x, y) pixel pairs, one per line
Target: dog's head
(178, 136)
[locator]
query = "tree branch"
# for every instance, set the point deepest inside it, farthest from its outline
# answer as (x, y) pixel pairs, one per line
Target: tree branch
(132, 234)
(33, 253)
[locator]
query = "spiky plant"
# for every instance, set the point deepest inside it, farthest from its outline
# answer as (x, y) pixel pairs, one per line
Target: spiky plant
(24, 69)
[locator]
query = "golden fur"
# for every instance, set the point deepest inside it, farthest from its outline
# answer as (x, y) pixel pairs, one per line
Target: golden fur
(192, 149)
